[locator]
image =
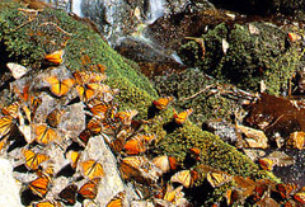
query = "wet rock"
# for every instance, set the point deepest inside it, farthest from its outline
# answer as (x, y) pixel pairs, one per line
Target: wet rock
(152, 59)
(9, 188)
(114, 18)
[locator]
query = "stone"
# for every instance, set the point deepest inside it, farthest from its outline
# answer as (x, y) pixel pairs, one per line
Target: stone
(9, 188)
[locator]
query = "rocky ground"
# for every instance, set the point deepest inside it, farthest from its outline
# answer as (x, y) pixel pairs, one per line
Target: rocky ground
(217, 121)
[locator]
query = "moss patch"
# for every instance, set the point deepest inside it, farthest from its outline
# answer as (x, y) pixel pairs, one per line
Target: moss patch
(250, 58)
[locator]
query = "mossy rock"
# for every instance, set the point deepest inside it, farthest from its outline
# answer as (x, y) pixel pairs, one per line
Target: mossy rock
(27, 42)
(189, 89)
(249, 59)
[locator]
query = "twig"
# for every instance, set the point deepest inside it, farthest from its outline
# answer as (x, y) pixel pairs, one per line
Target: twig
(57, 27)
(22, 25)
(198, 93)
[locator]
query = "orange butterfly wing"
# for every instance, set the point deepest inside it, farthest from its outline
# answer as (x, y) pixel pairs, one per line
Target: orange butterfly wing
(11, 110)
(45, 134)
(33, 160)
(6, 124)
(73, 156)
(39, 186)
(183, 177)
(162, 103)
(68, 194)
(60, 88)
(134, 146)
(92, 169)
(89, 189)
(117, 201)
(91, 90)
(55, 57)
(47, 204)
(182, 117)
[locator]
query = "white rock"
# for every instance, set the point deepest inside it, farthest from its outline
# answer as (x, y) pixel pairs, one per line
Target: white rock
(9, 188)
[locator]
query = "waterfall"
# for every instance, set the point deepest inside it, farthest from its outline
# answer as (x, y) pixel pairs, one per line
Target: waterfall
(156, 10)
(76, 7)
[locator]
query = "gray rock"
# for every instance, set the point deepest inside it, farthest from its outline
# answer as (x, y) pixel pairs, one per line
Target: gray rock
(9, 188)
(112, 183)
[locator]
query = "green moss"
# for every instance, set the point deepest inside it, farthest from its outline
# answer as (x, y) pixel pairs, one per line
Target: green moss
(27, 43)
(187, 87)
(250, 57)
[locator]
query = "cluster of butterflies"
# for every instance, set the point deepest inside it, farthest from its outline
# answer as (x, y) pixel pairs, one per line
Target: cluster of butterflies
(40, 132)
(37, 139)
(37, 123)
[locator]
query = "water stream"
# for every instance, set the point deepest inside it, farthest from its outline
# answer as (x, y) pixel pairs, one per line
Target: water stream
(156, 10)
(76, 7)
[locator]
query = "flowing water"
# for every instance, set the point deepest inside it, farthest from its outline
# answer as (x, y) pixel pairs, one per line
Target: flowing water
(156, 10)
(76, 7)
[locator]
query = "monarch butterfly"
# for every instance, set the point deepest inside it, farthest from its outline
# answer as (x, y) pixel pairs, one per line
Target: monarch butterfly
(125, 117)
(6, 125)
(11, 110)
(182, 117)
(68, 194)
(99, 67)
(117, 201)
(294, 37)
(84, 77)
(17, 70)
(135, 146)
(54, 117)
(99, 110)
(232, 195)
(300, 196)
(118, 144)
(47, 171)
(162, 103)
(266, 163)
(33, 160)
(172, 163)
(162, 163)
(286, 190)
(196, 151)
(60, 87)
(87, 91)
(296, 140)
(55, 57)
(44, 134)
(183, 177)
(73, 156)
(171, 194)
(217, 179)
(47, 203)
(95, 125)
(39, 186)
(130, 166)
(89, 189)
(92, 169)
(84, 136)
